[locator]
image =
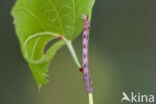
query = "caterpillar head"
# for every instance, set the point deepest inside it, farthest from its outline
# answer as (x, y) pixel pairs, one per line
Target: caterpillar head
(85, 17)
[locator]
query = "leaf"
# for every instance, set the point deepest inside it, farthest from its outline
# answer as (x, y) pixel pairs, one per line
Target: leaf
(39, 21)
(39, 70)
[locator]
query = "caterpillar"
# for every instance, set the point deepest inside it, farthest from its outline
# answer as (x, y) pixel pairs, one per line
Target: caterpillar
(87, 78)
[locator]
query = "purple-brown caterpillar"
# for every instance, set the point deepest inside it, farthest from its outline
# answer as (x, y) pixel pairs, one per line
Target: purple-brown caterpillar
(87, 78)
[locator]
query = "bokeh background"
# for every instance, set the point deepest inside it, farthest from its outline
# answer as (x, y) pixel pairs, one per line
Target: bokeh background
(122, 57)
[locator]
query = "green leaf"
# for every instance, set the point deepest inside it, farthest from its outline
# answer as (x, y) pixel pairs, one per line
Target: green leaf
(39, 21)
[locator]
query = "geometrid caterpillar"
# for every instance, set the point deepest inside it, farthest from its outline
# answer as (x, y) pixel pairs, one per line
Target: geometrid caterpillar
(87, 78)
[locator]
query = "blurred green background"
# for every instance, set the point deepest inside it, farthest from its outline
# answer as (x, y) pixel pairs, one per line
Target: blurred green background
(122, 57)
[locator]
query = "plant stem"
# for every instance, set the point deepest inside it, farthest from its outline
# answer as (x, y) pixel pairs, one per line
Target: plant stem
(90, 98)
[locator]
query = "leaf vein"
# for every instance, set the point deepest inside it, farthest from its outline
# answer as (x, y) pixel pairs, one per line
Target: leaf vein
(57, 13)
(34, 47)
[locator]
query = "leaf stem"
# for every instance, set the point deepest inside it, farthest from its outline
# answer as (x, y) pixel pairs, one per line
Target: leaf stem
(72, 51)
